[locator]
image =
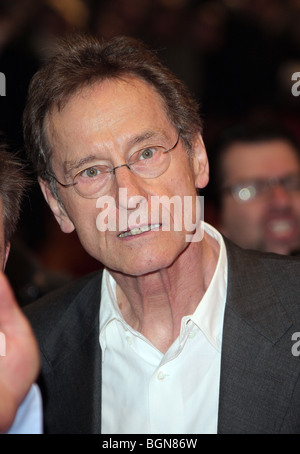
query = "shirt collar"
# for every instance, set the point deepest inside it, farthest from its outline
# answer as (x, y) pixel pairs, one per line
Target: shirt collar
(109, 307)
(209, 313)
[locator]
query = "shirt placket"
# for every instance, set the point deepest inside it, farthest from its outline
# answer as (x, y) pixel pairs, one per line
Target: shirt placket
(165, 407)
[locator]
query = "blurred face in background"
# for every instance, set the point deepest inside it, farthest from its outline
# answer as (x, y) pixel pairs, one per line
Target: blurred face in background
(261, 196)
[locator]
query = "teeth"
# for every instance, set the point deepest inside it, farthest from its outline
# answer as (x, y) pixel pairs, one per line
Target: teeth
(281, 226)
(139, 230)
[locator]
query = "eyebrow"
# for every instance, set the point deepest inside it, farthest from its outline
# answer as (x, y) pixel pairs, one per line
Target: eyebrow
(71, 166)
(146, 135)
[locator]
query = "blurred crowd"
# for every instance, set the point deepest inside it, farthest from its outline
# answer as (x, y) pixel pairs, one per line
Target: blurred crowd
(236, 56)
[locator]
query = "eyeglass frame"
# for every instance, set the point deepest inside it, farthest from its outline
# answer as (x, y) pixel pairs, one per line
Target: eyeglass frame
(113, 171)
(269, 183)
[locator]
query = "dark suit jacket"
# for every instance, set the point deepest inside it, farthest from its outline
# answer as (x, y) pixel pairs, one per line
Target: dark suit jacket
(260, 377)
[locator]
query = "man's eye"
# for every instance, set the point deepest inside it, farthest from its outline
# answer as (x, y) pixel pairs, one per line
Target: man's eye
(91, 172)
(146, 154)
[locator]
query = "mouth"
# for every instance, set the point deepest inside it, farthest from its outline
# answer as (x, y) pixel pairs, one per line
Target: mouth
(282, 228)
(139, 230)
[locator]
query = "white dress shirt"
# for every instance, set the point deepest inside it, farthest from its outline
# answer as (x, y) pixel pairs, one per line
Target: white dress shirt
(147, 392)
(28, 420)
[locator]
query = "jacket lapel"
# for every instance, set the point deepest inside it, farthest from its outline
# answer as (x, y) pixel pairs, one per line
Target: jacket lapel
(73, 366)
(254, 390)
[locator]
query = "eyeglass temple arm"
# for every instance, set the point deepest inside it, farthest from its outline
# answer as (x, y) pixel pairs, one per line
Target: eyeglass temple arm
(57, 181)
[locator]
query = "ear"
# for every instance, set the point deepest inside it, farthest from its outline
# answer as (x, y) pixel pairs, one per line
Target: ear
(57, 208)
(200, 162)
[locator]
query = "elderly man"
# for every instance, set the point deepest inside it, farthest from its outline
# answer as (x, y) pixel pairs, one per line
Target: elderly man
(257, 190)
(182, 332)
(20, 402)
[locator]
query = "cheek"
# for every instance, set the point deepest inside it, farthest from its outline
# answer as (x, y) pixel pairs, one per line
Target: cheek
(84, 218)
(82, 212)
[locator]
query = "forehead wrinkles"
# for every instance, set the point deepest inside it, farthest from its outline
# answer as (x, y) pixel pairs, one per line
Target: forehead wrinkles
(108, 116)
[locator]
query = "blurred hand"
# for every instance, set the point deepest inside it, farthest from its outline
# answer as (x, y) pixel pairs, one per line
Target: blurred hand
(20, 365)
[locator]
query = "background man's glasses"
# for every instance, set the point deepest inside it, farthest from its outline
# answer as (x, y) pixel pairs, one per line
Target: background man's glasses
(149, 162)
(250, 190)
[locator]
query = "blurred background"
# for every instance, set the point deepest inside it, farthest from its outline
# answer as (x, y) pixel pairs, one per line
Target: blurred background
(236, 56)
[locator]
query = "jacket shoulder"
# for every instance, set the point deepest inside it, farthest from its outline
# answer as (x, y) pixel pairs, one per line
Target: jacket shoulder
(47, 312)
(258, 271)
(274, 262)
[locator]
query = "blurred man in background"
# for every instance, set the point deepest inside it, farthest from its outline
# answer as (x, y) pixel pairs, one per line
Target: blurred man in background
(257, 188)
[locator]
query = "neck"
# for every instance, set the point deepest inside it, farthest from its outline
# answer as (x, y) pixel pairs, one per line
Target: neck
(155, 303)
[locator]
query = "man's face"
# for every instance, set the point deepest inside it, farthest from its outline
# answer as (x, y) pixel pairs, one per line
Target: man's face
(105, 124)
(271, 221)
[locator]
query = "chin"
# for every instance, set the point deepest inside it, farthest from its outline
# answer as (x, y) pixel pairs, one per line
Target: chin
(142, 269)
(154, 262)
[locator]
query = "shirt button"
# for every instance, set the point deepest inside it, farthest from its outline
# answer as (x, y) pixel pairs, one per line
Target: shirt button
(161, 376)
(129, 340)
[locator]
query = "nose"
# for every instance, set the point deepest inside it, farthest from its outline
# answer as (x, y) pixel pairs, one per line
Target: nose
(279, 196)
(129, 187)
